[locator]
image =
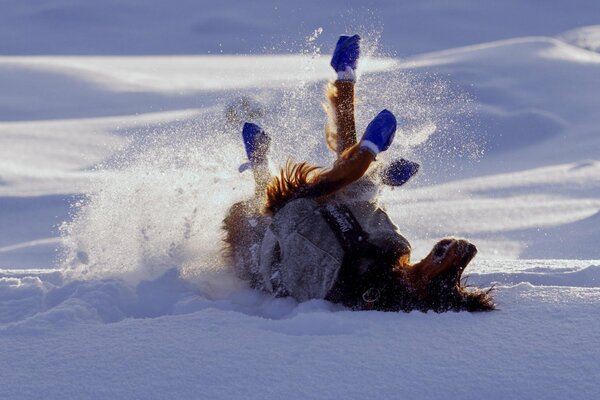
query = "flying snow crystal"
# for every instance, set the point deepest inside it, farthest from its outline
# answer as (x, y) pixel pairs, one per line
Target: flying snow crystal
(315, 34)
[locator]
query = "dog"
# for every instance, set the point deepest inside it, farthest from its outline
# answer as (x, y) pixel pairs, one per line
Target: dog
(311, 233)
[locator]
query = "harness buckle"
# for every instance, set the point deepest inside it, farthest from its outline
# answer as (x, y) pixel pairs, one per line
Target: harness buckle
(371, 296)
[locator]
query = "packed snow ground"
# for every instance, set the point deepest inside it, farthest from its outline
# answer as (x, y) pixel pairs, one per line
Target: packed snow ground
(115, 172)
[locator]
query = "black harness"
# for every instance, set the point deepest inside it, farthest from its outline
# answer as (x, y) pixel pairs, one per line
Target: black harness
(366, 270)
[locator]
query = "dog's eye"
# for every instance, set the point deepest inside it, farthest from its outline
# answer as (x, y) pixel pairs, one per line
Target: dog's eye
(441, 248)
(440, 251)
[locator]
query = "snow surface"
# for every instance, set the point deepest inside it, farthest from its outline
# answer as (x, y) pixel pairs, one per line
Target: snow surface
(116, 169)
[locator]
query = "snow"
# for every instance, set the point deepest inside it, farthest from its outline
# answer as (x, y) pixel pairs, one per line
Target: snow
(116, 170)
(540, 342)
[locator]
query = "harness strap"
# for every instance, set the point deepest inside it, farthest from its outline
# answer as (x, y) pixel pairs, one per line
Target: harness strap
(346, 228)
(362, 290)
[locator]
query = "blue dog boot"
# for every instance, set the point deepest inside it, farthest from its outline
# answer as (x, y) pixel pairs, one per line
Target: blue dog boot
(256, 142)
(345, 57)
(399, 172)
(379, 133)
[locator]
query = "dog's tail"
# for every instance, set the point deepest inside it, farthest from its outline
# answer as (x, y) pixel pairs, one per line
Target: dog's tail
(290, 184)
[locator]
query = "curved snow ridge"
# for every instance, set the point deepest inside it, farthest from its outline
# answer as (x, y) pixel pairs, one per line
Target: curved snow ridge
(27, 253)
(587, 277)
(514, 50)
(185, 74)
(66, 150)
(29, 244)
(569, 178)
(579, 181)
(586, 37)
(532, 94)
(82, 87)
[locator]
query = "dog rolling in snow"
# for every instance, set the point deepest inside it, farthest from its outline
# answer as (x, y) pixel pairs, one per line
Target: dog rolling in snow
(316, 233)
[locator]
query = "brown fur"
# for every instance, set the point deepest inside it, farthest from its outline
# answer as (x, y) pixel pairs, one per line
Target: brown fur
(437, 282)
(234, 230)
(305, 180)
(340, 131)
(241, 235)
(291, 180)
(331, 130)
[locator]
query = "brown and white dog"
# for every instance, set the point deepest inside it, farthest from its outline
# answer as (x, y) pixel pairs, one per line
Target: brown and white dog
(434, 283)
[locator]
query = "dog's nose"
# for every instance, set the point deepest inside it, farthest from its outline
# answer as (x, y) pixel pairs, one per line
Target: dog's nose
(472, 249)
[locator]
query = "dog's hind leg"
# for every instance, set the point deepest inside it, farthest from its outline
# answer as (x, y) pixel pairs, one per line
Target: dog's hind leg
(340, 132)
